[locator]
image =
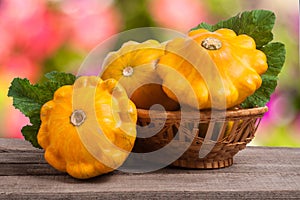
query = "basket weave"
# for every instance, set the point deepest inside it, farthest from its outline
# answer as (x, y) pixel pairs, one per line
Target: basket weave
(237, 130)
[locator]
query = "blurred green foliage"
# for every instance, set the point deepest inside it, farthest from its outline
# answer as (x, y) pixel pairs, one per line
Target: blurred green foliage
(135, 14)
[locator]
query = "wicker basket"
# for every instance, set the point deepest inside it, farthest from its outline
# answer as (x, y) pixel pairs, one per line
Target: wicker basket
(236, 130)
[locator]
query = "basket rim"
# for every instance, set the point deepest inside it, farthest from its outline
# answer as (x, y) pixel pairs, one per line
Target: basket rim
(204, 114)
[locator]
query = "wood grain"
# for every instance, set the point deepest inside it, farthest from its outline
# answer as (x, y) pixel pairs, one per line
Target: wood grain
(257, 173)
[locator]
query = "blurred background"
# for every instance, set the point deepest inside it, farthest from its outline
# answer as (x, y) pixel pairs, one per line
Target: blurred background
(38, 36)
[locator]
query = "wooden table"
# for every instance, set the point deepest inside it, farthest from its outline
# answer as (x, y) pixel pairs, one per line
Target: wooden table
(257, 173)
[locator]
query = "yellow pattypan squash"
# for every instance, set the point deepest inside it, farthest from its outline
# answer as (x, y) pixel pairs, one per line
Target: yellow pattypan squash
(133, 65)
(229, 67)
(88, 128)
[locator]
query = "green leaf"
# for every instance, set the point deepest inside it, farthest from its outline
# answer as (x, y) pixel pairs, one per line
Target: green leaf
(54, 81)
(275, 56)
(26, 97)
(231, 23)
(30, 134)
(258, 24)
(60, 77)
(30, 98)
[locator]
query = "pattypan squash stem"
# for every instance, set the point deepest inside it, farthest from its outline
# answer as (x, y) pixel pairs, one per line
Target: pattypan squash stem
(78, 117)
(211, 43)
(128, 71)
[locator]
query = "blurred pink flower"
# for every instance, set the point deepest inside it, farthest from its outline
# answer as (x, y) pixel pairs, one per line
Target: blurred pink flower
(14, 121)
(296, 125)
(296, 24)
(16, 11)
(91, 22)
(19, 65)
(6, 42)
(181, 15)
(35, 30)
(280, 111)
(43, 35)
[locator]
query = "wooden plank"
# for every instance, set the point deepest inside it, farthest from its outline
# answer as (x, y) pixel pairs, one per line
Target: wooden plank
(147, 184)
(19, 145)
(246, 161)
(257, 172)
(260, 159)
(155, 195)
